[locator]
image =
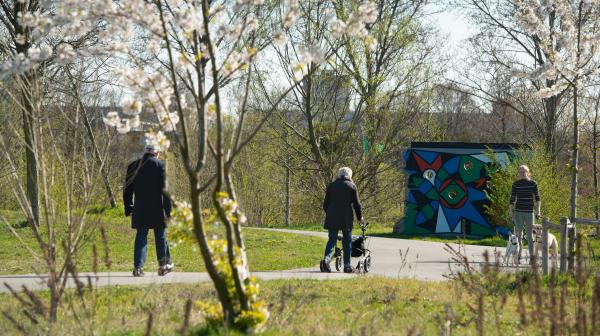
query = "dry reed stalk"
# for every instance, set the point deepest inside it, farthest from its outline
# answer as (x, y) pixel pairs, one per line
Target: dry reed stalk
(15, 323)
(149, 324)
(537, 292)
(107, 261)
(552, 303)
(596, 307)
(30, 316)
(89, 283)
(37, 304)
(522, 308)
(563, 301)
(412, 331)
(446, 329)
(581, 279)
(17, 296)
(95, 259)
(79, 285)
(186, 317)
(480, 314)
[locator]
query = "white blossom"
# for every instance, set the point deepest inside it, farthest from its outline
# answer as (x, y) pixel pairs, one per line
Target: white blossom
(280, 38)
(299, 70)
(356, 23)
(134, 122)
(519, 73)
(157, 140)
(552, 91)
(338, 28)
(132, 107)
(65, 53)
(168, 121)
(242, 3)
(112, 119)
(292, 15)
(566, 56)
(311, 54)
(21, 39)
(371, 43)
(123, 127)
(190, 19)
(153, 47)
(252, 22)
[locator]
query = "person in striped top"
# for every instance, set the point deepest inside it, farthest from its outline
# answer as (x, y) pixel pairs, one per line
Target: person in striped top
(523, 197)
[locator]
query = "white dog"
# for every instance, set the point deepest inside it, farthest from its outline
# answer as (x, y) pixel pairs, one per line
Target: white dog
(552, 244)
(512, 250)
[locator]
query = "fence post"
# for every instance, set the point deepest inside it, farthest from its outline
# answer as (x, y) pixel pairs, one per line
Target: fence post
(564, 222)
(545, 222)
(571, 259)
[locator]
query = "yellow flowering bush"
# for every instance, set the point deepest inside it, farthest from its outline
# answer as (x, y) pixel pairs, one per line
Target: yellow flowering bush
(182, 229)
(212, 312)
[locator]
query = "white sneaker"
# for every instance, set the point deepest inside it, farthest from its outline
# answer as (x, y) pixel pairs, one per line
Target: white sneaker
(167, 268)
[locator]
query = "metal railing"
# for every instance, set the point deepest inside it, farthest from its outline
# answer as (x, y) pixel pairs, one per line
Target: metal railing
(567, 229)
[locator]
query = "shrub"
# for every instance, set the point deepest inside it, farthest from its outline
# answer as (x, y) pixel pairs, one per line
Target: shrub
(553, 185)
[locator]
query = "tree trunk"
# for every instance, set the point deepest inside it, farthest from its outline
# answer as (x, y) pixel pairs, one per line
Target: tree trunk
(28, 83)
(32, 178)
(595, 163)
(208, 258)
(549, 136)
(288, 202)
(575, 157)
(103, 170)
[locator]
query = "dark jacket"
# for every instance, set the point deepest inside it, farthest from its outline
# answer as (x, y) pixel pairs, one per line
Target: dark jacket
(341, 196)
(143, 193)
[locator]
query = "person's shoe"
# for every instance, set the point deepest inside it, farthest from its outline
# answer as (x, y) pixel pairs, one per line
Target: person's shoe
(138, 272)
(164, 269)
(348, 269)
(325, 267)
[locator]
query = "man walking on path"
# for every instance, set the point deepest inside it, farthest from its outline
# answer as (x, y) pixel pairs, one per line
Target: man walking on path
(341, 196)
(524, 192)
(146, 201)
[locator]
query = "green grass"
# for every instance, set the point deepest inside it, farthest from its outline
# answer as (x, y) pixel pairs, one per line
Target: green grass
(367, 306)
(267, 250)
(358, 306)
(386, 231)
(485, 241)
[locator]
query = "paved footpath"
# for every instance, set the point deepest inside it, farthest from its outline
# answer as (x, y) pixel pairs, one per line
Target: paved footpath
(391, 257)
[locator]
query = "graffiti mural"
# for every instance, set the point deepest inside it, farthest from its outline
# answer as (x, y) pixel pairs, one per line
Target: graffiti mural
(446, 187)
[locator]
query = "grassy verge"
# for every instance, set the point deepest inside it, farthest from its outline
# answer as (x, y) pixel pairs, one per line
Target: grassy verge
(368, 306)
(361, 306)
(267, 250)
(386, 231)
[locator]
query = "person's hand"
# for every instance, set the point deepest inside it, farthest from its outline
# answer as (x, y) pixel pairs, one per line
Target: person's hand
(362, 220)
(127, 212)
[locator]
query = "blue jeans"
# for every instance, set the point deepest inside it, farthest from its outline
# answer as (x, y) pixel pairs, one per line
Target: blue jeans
(346, 245)
(140, 250)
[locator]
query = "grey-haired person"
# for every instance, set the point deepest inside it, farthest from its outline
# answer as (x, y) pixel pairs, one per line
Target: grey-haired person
(149, 206)
(340, 198)
(524, 197)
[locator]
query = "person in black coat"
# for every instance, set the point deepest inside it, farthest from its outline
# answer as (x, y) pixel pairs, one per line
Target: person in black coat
(340, 198)
(145, 199)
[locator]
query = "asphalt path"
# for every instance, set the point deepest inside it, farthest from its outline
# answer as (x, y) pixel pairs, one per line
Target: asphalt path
(391, 257)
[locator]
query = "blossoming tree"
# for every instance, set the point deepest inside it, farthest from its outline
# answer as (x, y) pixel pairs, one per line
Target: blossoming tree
(569, 43)
(175, 57)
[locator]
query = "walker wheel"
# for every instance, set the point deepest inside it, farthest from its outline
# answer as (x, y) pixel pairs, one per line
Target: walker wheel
(359, 267)
(367, 264)
(338, 264)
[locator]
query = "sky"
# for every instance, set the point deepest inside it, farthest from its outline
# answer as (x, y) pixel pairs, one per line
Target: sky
(454, 25)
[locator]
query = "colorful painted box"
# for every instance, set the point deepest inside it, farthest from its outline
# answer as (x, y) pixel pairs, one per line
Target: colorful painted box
(447, 184)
